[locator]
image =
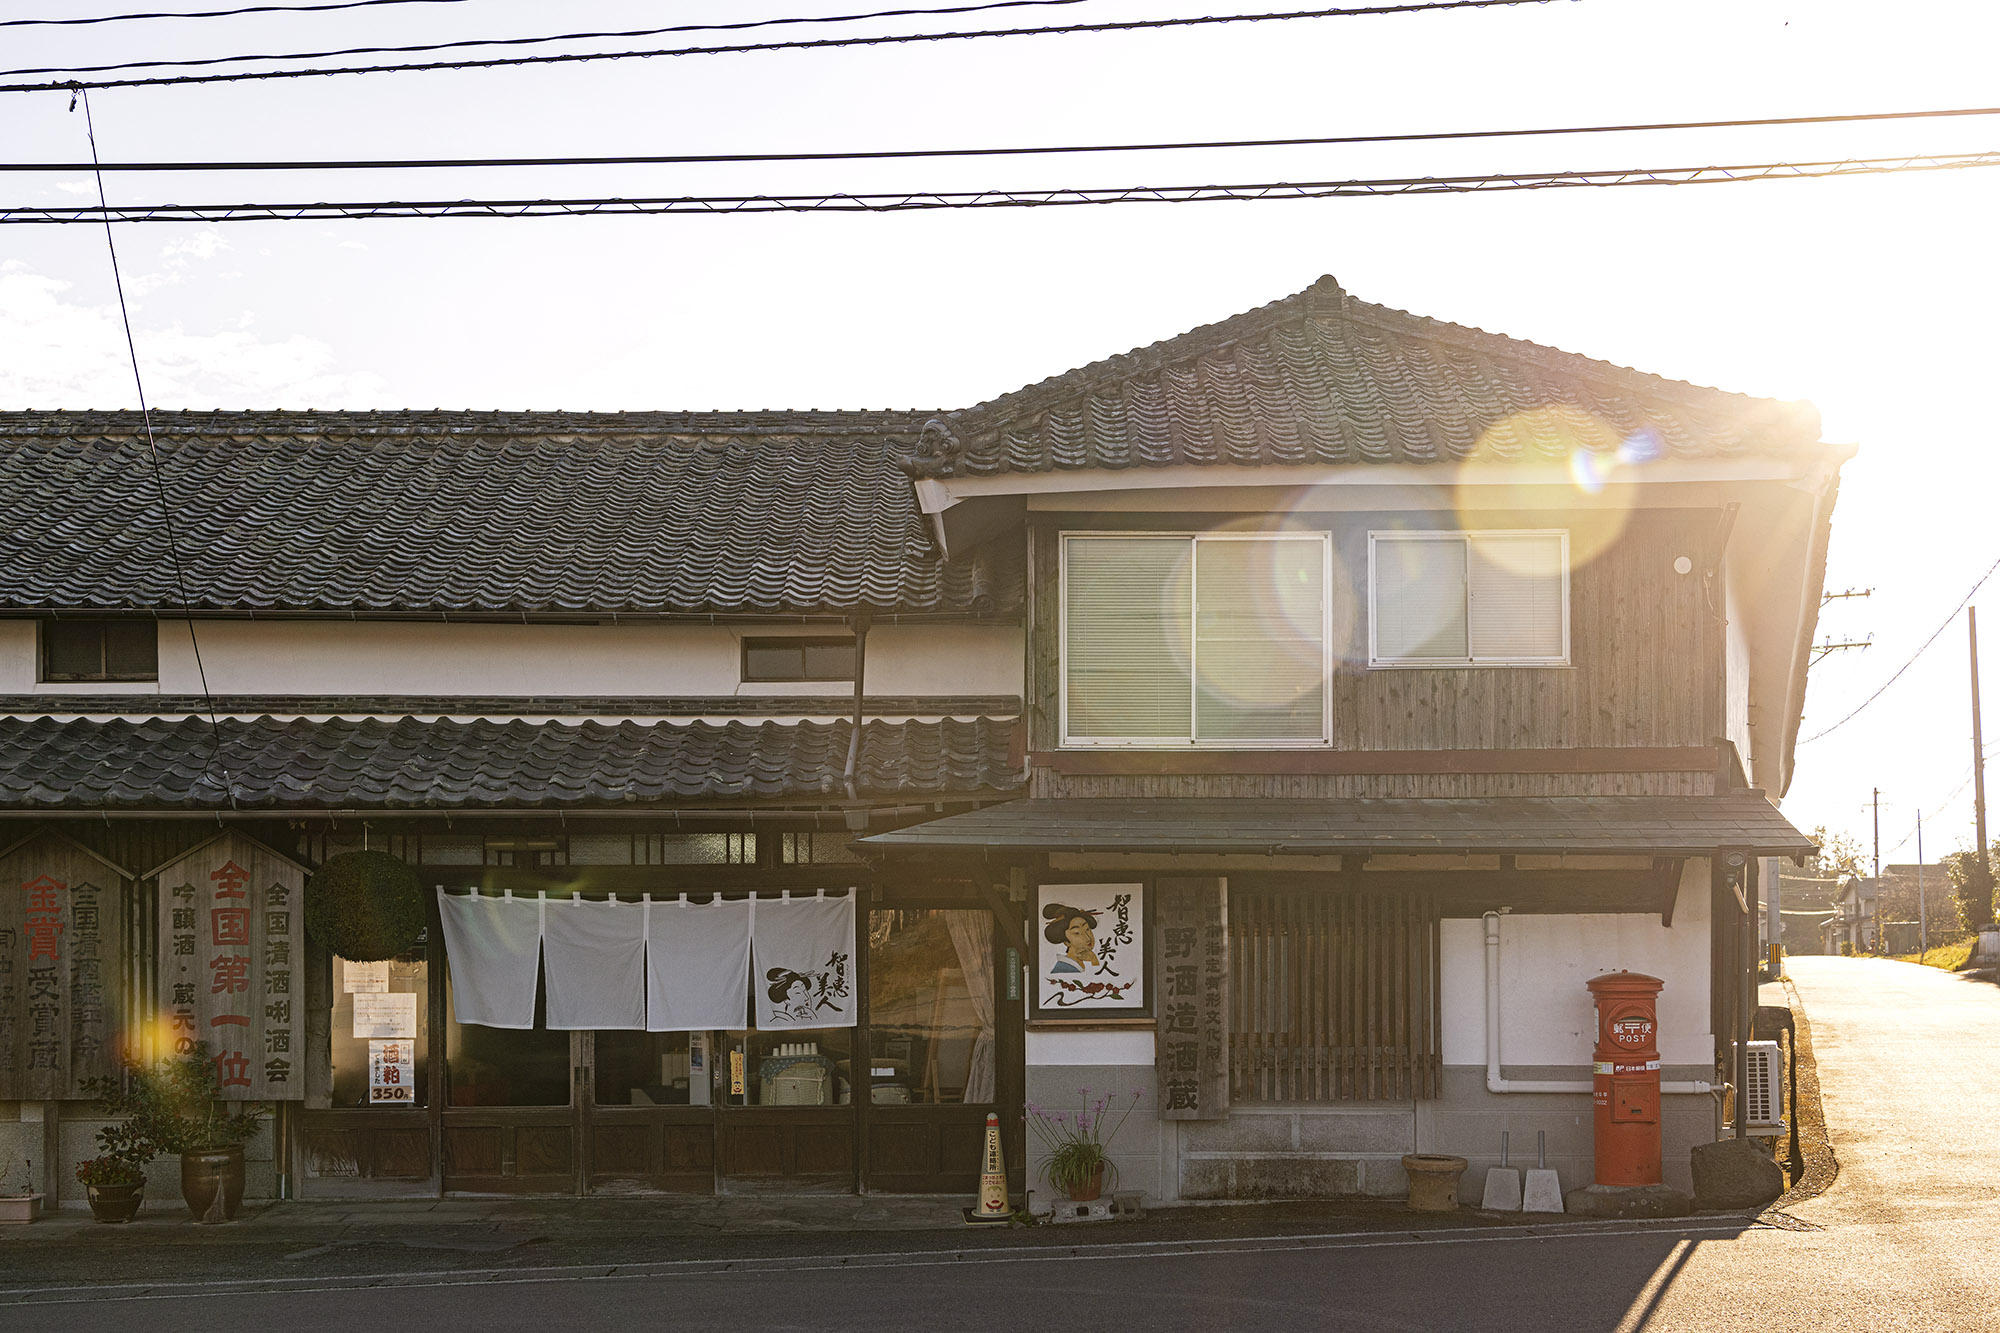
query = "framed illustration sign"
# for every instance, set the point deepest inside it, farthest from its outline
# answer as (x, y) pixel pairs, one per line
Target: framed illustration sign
(1090, 951)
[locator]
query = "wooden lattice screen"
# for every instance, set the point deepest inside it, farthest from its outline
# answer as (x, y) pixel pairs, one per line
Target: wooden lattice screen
(1335, 996)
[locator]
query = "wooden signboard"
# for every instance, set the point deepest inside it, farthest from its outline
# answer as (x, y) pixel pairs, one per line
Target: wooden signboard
(232, 955)
(62, 925)
(1191, 1050)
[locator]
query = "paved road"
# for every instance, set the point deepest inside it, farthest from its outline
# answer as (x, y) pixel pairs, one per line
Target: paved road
(1900, 1241)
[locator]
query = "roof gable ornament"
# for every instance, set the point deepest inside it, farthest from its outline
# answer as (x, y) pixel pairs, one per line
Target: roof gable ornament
(936, 453)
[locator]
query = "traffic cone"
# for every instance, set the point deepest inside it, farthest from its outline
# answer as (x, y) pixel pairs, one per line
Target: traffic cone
(992, 1206)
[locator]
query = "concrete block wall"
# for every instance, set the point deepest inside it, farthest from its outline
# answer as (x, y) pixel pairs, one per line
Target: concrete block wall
(1136, 1150)
(1468, 1120)
(1305, 1152)
(22, 1137)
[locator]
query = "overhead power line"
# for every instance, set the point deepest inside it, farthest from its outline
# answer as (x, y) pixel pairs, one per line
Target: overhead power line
(870, 155)
(810, 44)
(214, 13)
(464, 43)
(918, 201)
(1920, 647)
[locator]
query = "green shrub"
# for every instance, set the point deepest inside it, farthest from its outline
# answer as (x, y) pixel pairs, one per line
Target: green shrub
(365, 906)
(171, 1105)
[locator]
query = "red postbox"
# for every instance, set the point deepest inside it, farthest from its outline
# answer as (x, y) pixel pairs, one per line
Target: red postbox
(1626, 1078)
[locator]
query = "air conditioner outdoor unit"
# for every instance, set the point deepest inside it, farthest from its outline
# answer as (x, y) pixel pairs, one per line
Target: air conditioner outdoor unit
(1764, 1086)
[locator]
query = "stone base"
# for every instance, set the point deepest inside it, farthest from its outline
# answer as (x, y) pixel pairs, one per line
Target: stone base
(1735, 1174)
(1628, 1201)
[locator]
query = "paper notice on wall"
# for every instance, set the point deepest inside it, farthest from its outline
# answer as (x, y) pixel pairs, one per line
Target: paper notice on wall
(392, 1073)
(385, 1015)
(364, 978)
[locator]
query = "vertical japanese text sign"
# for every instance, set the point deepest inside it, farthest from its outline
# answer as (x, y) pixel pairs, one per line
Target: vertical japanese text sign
(61, 972)
(1191, 1052)
(232, 934)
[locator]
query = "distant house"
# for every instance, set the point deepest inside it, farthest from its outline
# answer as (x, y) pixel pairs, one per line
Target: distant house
(1855, 927)
(1284, 721)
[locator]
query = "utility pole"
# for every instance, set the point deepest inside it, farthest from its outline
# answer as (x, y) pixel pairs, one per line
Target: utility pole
(1923, 917)
(1877, 803)
(1978, 750)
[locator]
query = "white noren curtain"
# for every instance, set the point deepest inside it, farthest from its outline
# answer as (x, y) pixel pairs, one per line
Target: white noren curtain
(804, 974)
(595, 955)
(494, 946)
(697, 955)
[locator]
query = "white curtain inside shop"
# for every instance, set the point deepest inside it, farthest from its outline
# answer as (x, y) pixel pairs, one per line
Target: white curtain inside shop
(659, 966)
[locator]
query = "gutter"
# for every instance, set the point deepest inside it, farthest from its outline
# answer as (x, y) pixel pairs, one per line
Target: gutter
(1495, 1083)
(1814, 585)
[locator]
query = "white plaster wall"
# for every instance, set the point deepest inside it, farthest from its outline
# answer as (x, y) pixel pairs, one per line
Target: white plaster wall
(1545, 1013)
(17, 656)
(377, 657)
(1091, 1048)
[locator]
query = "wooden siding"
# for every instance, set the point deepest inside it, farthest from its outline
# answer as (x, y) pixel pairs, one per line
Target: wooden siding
(1335, 996)
(1645, 652)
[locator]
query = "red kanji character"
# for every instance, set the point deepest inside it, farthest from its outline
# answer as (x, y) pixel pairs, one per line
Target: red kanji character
(229, 925)
(232, 1069)
(230, 880)
(239, 1020)
(42, 939)
(42, 894)
(232, 974)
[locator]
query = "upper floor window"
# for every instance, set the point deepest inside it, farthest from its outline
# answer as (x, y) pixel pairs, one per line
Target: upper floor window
(100, 650)
(1468, 598)
(771, 658)
(1182, 639)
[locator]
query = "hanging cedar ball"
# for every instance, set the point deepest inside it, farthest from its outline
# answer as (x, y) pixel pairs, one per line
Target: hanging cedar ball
(365, 906)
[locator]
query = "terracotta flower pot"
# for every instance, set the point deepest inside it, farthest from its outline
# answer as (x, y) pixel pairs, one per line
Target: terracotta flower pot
(115, 1203)
(1088, 1190)
(212, 1183)
(1433, 1181)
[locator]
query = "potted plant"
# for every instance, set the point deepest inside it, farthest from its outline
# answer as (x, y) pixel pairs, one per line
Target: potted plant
(175, 1105)
(26, 1204)
(1075, 1143)
(114, 1185)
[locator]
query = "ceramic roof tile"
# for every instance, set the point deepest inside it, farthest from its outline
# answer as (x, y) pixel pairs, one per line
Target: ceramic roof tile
(177, 764)
(1321, 377)
(477, 513)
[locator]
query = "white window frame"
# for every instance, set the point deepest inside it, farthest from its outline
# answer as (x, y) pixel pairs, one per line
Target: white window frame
(1070, 742)
(1465, 537)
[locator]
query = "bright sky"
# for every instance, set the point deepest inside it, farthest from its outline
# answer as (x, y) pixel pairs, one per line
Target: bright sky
(1869, 296)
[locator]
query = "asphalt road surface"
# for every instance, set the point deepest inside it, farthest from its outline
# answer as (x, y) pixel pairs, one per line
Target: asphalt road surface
(1900, 1241)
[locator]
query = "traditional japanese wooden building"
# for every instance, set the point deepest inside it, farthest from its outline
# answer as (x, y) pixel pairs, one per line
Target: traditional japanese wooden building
(1279, 723)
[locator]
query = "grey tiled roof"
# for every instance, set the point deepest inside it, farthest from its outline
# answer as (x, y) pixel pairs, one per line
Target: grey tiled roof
(1322, 378)
(410, 764)
(1657, 825)
(481, 513)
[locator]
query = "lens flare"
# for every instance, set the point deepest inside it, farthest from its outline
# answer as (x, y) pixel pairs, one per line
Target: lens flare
(1501, 486)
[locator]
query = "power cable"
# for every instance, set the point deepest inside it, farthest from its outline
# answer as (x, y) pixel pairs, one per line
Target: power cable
(876, 155)
(159, 474)
(537, 41)
(1912, 659)
(813, 44)
(214, 13)
(917, 201)
(1942, 805)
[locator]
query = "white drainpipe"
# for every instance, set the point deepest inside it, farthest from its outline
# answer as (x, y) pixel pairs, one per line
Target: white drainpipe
(1495, 1083)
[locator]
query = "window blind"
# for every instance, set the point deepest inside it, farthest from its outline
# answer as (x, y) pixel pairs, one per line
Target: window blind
(1260, 644)
(1472, 597)
(1128, 632)
(1420, 598)
(1516, 595)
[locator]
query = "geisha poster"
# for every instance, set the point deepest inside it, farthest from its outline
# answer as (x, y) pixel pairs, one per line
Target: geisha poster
(1090, 950)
